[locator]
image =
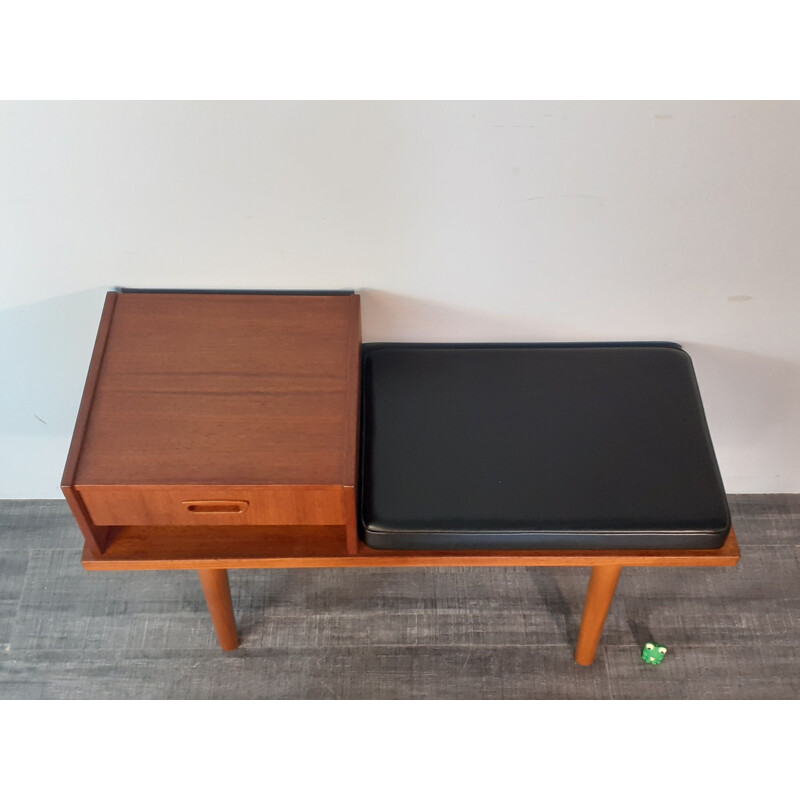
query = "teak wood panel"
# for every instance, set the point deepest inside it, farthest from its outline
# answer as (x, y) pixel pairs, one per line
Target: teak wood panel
(214, 505)
(207, 544)
(144, 548)
(96, 537)
(223, 389)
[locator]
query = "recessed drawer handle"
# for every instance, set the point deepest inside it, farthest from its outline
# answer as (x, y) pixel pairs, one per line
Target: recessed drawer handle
(216, 506)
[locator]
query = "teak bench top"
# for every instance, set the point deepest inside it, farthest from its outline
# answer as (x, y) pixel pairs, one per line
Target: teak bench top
(166, 548)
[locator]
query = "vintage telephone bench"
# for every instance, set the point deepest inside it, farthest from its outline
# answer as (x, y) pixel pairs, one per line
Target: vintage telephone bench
(225, 430)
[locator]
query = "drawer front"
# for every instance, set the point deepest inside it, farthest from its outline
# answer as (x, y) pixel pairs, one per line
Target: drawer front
(214, 505)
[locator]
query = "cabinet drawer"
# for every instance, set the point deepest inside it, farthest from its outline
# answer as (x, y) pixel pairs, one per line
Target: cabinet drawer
(214, 505)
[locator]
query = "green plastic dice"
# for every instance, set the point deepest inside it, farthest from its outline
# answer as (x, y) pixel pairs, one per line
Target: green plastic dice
(653, 653)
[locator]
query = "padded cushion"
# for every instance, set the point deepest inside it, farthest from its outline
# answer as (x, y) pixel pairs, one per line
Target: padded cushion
(580, 446)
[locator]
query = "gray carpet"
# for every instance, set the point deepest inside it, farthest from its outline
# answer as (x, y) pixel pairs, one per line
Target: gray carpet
(397, 633)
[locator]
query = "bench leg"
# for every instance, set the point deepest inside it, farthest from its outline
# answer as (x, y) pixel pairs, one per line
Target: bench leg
(598, 600)
(218, 596)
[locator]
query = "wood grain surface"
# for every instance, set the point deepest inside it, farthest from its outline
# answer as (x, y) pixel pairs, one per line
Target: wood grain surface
(224, 389)
(96, 536)
(204, 505)
(235, 547)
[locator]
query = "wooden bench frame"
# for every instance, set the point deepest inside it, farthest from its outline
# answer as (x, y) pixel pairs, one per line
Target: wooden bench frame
(213, 550)
(133, 549)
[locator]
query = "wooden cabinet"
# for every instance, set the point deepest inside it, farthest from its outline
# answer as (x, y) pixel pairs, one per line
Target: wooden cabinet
(212, 410)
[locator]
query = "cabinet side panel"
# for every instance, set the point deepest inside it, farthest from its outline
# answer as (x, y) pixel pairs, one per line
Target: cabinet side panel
(350, 518)
(351, 444)
(96, 536)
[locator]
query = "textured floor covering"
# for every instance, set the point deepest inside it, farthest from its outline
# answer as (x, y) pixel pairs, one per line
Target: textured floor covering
(397, 633)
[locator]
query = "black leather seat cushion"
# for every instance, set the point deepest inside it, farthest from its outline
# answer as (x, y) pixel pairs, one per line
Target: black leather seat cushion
(579, 446)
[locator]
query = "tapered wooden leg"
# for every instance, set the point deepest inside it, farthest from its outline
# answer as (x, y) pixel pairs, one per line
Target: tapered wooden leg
(218, 596)
(598, 600)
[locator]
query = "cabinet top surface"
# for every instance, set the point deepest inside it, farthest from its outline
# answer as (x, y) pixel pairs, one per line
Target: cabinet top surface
(223, 389)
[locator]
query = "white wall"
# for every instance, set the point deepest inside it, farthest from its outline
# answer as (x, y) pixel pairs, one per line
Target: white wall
(456, 221)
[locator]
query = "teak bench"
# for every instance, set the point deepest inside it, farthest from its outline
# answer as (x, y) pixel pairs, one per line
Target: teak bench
(225, 431)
